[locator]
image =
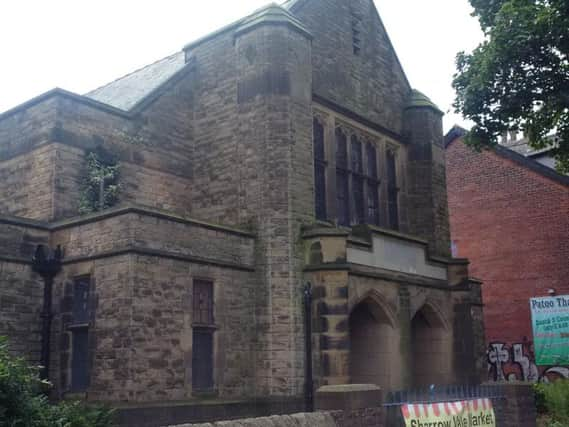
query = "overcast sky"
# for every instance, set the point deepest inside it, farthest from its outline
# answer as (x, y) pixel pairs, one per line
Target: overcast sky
(79, 45)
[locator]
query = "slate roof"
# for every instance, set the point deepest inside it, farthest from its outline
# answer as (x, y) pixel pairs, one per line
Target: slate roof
(125, 92)
(522, 146)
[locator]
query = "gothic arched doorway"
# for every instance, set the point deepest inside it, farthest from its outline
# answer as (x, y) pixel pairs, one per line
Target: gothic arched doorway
(430, 348)
(372, 345)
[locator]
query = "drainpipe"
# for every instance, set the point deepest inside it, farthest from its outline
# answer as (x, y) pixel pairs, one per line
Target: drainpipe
(309, 383)
(47, 263)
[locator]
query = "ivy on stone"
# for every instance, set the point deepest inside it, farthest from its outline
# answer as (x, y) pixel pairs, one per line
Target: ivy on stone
(101, 183)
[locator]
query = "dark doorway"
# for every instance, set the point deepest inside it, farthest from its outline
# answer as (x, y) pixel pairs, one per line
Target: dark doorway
(372, 346)
(430, 349)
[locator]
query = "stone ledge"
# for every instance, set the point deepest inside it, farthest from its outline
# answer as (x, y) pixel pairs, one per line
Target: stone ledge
(348, 397)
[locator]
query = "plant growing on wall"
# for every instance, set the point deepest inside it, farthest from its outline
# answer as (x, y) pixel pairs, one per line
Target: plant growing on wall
(101, 185)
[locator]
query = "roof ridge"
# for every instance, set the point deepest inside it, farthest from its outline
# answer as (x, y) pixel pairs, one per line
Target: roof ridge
(133, 72)
(527, 162)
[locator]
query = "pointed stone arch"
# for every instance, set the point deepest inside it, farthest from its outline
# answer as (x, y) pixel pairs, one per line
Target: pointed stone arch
(430, 346)
(433, 314)
(374, 342)
(379, 306)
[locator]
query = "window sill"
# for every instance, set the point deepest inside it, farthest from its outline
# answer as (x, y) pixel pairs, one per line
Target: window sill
(75, 395)
(78, 326)
(205, 394)
(204, 326)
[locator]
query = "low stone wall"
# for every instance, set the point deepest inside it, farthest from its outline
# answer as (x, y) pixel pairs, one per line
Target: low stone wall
(516, 408)
(359, 406)
(315, 419)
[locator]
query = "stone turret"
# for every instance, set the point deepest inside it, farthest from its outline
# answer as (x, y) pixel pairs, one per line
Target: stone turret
(274, 85)
(428, 209)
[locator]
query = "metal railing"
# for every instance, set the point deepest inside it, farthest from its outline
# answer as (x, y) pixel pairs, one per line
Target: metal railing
(434, 394)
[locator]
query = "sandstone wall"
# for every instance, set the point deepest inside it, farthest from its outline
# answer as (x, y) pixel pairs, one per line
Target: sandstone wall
(27, 181)
(371, 83)
(153, 231)
(21, 295)
(43, 146)
(253, 166)
(21, 290)
(141, 329)
(142, 265)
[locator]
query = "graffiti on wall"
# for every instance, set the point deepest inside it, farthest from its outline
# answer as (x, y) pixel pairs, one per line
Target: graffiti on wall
(517, 363)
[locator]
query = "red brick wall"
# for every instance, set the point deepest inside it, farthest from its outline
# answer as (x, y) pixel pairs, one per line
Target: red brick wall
(513, 225)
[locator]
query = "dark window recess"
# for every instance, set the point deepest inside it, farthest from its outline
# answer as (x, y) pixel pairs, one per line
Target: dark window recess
(342, 179)
(371, 155)
(80, 360)
(372, 186)
(80, 334)
(203, 302)
(81, 300)
(202, 360)
(357, 158)
(392, 191)
(319, 171)
(358, 187)
(358, 181)
(356, 33)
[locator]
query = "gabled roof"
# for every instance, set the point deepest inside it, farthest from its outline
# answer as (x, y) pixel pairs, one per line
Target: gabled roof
(127, 91)
(457, 132)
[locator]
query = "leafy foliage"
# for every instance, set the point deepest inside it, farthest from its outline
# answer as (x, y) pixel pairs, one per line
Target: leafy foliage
(22, 403)
(101, 186)
(518, 78)
(553, 399)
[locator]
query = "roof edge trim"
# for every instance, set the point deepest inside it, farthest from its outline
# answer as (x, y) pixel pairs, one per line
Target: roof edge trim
(83, 99)
(275, 15)
(155, 93)
(222, 30)
(64, 94)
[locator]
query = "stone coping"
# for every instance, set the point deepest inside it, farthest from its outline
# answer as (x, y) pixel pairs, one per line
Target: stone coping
(119, 211)
(85, 100)
(346, 388)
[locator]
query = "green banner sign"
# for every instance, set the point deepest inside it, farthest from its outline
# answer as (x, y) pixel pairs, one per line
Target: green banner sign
(550, 320)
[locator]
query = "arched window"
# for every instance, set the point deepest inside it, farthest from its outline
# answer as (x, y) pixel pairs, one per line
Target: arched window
(392, 191)
(319, 170)
(342, 179)
(202, 337)
(358, 180)
(372, 185)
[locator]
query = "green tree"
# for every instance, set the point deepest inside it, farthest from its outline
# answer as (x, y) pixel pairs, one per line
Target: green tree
(23, 403)
(518, 78)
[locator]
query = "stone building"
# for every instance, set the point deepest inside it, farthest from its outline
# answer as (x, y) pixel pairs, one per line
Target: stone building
(286, 148)
(509, 216)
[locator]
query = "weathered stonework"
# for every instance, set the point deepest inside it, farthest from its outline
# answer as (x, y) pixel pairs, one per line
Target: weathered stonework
(217, 184)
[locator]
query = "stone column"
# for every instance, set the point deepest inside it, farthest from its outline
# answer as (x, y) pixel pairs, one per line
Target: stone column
(332, 310)
(405, 346)
(326, 262)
